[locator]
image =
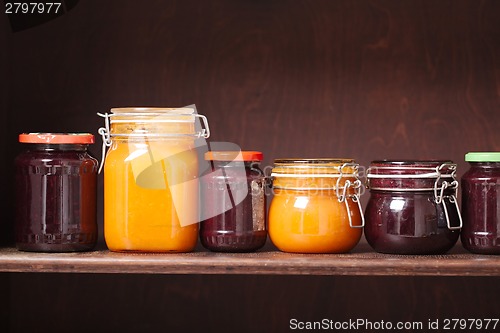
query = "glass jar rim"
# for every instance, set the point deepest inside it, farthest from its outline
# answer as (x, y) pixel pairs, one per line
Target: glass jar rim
(408, 162)
(148, 109)
(418, 168)
(152, 114)
(306, 161)
(56, 138)
(314, 167)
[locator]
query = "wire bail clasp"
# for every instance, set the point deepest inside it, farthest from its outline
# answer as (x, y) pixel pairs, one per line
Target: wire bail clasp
(106, 138)
(358, 187)
(205, 130)
(439, 195)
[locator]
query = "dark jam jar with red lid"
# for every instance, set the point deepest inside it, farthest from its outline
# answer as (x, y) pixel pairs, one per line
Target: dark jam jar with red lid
(233, 202)
(56, 193)
(413, 207)
(481, 203)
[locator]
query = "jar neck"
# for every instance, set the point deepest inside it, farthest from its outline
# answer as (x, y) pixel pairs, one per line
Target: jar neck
(411, 176)
(152, 129)
(315, 169)
(410, 191)
(229, 164)
(315, 176)
(250, 168)
(409, 184)
(487, 165)
(58, 147)
(182, 140)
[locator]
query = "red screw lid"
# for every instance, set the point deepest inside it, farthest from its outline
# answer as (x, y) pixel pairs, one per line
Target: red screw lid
(234, 156)
(57, 138)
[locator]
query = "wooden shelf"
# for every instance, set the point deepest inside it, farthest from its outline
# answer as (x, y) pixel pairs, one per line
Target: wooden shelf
(362, 261)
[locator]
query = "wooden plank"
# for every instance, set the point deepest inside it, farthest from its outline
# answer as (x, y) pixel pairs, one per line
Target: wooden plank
(362, 261)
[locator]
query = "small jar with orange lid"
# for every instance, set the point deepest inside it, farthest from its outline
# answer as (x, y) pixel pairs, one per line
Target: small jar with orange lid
(316, 205)
(56, 193)
(233, 202)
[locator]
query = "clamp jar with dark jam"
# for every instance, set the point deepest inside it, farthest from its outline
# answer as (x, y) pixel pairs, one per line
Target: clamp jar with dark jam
(233, 202)
(413, 207)
(56, 193)
(481, 203)
(316, 205)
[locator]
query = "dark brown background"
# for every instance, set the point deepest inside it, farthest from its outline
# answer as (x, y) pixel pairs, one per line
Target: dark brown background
(362, 79)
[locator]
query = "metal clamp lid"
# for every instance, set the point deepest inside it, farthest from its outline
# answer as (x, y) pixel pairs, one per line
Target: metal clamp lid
(428, 173)
(439, 196)
(107, 136)
(439, 188)
(342, 192)
(358, 187)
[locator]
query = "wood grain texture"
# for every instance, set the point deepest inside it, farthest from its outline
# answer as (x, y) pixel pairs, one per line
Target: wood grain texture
(220, 303)
(362, 261)
(6, 226)
(5, 303)
(361, 79)
(367, 79)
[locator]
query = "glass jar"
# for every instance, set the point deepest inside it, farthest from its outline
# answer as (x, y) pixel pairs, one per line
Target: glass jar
(412, 207)
(234, 202)
(316, 205)
(56, 193)
(151, 179)
(481, 203)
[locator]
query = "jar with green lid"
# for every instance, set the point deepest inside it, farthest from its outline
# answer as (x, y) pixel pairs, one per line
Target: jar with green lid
(481, 203)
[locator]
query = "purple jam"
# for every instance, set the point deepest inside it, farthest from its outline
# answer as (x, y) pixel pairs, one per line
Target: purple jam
(56, 198)
(481, 208)
(234, 201)
(402, 216)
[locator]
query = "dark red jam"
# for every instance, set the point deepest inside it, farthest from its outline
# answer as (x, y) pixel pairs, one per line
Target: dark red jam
(481, 204)
(56, 194)
(403, 215)
(234, 203)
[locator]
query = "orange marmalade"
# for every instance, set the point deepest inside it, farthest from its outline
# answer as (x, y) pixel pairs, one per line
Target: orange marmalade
(315, 207)
(151, 180)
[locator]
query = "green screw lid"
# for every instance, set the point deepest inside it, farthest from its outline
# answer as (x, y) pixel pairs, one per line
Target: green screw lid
(482, 157)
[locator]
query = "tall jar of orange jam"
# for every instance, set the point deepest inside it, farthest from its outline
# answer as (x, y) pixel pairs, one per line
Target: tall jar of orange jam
(151, 179)
(315, 206)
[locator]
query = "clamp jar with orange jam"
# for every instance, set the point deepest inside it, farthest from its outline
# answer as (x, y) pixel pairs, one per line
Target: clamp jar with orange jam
(151, 179)
(413, 207)
(316, 205)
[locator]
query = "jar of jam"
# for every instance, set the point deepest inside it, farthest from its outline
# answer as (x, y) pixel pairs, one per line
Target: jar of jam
(56, 193)
(481, 203)
(316, 205)
(151, 179)
(234, 202)
(412, 207)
